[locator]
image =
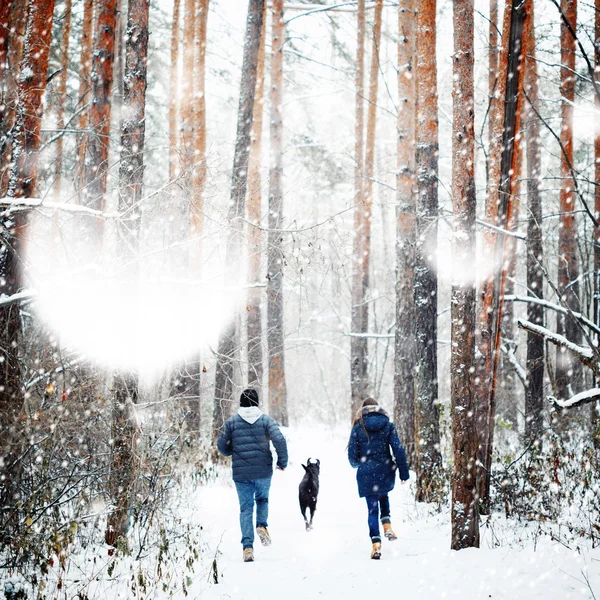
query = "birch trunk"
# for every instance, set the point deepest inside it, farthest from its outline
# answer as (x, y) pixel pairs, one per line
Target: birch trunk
(427, 434)
(465, 516)
(275, 316)
(406, 235)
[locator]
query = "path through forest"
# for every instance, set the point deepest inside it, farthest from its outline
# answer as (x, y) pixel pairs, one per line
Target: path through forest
(332, 561)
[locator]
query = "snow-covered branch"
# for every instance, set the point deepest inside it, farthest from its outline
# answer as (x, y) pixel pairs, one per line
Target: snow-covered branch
(554, 307)
(18, 297)
(11, 203)
(586, 397)
(584, 353)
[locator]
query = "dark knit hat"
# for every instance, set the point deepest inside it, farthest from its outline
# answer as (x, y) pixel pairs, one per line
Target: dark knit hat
(249, 397)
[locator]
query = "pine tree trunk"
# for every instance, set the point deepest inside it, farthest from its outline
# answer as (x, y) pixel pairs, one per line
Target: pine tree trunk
(465, 516)
(131, 180)
(358, 346)
(508, 168)
(174, 105)
(406, 235)
(10, 99)
(85, 90)
(254, 317)
(239, 180)
(427, 433)
(534, 393)
(187, 88)
(568, 369)
(22, 182)
(62, 98)
(96, 164)
(484, 335)
(275, 260)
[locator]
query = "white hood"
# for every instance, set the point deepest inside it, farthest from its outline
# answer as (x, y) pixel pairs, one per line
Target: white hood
(250, 414)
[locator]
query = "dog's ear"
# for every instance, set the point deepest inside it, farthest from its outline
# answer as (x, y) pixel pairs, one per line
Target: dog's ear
(304, 467)
(318, 463)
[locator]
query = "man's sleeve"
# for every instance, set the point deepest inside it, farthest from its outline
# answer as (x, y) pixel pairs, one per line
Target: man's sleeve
(224, 442)
(399, 454)
(279, 442)
(353, 453)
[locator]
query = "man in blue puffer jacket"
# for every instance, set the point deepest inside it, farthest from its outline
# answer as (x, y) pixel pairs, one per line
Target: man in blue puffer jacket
(373, 436)
(246, 437)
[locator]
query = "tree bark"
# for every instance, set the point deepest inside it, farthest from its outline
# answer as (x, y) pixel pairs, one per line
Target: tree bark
(254, 317)
(10, 98)
(174, 104)
(85, 90)
(465, 514)
(596, 406)
(187, 88)
(358, 346)
(228, 339)
(275, 259)
(568, 371)
(508, 167)
(131, 180)
(62, 98)
(406, 235)
(534, 392)
(22, 182)
(427, 434)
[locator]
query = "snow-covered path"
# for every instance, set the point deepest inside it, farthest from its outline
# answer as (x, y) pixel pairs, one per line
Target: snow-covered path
(332, 561)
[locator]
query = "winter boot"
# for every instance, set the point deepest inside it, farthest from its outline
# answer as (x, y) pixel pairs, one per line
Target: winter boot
(263, 534)
(248, 555)
(376, 551)
(389, 532)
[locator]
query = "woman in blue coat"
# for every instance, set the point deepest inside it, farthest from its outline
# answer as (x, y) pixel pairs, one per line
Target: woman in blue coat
(372, 442)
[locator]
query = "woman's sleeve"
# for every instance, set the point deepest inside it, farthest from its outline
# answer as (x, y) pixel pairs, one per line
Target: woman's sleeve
(399, 454)
(353, 452)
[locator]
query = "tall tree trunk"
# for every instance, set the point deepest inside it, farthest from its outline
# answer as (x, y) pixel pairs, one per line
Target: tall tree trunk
(85, 90)
(508, 168)
(275, 261)
(62, 97)
(427, 432)
(254, 317)
(483, 338)
(174, 104)
(534, 393)
(187, 88)
(406, 234)
(465, 515)
(358, 346)
(568, 370)
(493, 65)
(96, 167)
(239, 180)
(131, 180)
(596, 407)
(10, 99)
(22, 182)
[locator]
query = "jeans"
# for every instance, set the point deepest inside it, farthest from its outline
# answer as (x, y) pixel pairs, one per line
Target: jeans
(249, 492)
(374, 503)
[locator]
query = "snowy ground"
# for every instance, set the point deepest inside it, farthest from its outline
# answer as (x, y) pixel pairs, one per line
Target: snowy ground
(332, 561)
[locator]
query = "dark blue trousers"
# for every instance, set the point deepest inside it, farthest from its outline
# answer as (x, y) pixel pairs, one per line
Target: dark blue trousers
(375, 503)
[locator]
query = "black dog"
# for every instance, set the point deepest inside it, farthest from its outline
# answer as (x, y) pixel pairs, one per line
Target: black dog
(309, 490)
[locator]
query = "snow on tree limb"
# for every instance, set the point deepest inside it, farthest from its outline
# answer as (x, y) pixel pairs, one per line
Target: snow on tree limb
(584, 353)
(580, 399)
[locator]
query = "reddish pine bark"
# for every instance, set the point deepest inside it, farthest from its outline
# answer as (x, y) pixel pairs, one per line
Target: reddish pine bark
(465, 515)
(275, 316)
(427, 435)
(85, 89)
(174, 104)
(187, 87)
(358, 346)
(228, 339)
(534, 392)
(62, 97)
(255, 293)
(406, 235)
(568, 369)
